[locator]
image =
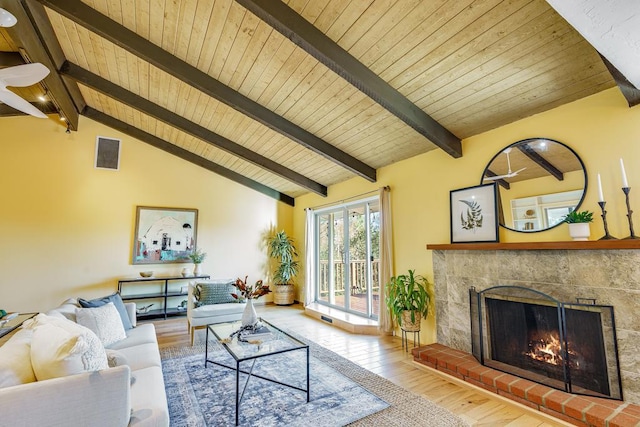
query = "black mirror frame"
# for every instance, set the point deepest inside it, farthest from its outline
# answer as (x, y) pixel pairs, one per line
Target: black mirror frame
(500, 213)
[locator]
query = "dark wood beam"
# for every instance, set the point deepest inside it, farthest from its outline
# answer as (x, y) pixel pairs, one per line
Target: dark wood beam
(10, 59)
(301, 32)
(27, 36)
(145, 106)
(629, 91)
(187, 155)
(544, 163)
(46, 107)
(501, 182)
(48, 36)
(105, 27)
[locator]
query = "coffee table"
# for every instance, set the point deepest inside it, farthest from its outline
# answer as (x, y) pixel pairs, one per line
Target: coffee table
(8, 326)
(279, 342)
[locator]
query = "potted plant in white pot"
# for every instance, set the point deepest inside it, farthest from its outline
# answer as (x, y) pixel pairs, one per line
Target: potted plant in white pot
(579, 228)
(283, 253)
(409, 299)
(197, 257)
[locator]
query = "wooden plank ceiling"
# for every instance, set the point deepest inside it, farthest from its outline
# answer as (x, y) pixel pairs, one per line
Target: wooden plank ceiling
(471, 65)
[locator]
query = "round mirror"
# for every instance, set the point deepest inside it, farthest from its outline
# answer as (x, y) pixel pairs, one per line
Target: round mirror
(539, 181)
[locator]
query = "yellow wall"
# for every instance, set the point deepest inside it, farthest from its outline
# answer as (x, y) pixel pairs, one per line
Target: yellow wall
(600, 128)
(67, 228)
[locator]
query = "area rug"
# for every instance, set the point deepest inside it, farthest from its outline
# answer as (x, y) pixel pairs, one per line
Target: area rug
(342, 393)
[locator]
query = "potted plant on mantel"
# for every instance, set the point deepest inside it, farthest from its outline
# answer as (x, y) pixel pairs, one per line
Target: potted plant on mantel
(409, 299)
(283, 252)
(579, 224)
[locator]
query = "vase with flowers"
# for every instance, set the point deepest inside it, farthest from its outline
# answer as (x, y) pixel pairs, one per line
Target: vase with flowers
(249, 293)
(197, 257)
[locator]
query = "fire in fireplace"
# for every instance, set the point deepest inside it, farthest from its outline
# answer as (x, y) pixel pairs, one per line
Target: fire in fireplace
(571, 347)
(547, 348)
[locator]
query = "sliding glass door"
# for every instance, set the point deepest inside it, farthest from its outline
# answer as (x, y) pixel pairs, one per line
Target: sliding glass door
(347, 257)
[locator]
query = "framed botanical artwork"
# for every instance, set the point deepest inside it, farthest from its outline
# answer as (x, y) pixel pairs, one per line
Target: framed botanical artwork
(474, 214)
(164, 235)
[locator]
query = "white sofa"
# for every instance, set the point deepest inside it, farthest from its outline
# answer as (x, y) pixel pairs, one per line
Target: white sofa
(199, 317)
(132, 394)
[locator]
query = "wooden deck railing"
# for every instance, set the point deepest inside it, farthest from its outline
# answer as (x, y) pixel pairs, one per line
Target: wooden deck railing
(357, 277)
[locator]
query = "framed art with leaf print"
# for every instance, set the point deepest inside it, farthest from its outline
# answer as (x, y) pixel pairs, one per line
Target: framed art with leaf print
(474, 214)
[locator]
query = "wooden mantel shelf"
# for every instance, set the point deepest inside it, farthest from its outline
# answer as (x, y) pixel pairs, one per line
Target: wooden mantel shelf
(529, 246)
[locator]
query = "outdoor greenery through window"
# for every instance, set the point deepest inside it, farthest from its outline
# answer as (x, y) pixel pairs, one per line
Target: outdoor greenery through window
(348, 257)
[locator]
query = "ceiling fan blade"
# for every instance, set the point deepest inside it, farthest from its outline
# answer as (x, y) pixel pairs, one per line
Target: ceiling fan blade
(23, 75)
(518, 171)
(495, 178)
(13, 100)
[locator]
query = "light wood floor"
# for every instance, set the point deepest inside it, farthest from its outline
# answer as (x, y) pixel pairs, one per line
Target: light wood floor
(385, 356)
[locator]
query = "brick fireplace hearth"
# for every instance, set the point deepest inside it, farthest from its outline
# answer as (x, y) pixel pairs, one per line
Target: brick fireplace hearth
(577, 410)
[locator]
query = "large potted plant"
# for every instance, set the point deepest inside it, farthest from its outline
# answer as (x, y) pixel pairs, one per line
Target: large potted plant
(283, 253)
(408, 299)
(579, 228)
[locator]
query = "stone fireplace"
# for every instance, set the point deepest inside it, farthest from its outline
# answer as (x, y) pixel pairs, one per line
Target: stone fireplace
(605, 271)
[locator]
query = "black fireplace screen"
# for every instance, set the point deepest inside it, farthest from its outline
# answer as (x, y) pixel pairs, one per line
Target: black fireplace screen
(570, 347)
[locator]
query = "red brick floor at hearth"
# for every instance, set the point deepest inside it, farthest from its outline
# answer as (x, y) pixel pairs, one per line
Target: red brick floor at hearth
(578, 410)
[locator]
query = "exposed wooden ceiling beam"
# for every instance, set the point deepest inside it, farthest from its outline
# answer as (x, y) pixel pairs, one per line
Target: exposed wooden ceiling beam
(132, 42)
(187, 155)
(629, 91)
(47, 108)
(501, 182)
(301, 32)
(48, 36)
(27, 36)
(145, 106)
(544, 163)
(10, 59)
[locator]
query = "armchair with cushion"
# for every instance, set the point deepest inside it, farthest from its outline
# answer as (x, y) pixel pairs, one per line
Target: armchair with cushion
(210, 301)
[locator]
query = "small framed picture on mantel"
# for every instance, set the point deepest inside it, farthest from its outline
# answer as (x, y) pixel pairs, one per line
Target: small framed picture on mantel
(474, 214)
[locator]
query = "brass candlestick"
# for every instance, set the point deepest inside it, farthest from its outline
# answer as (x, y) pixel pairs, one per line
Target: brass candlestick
(632, 235)
(606, 236)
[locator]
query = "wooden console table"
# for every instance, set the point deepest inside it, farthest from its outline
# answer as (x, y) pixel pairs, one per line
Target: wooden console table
(161, 291)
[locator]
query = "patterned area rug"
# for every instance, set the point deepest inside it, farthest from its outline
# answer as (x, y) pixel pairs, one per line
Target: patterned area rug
(341, 393)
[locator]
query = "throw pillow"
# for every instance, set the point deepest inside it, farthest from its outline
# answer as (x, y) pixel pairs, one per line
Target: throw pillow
(104, 321)
(15, 360)
(214, 293)
(59, 352)
(116, 299)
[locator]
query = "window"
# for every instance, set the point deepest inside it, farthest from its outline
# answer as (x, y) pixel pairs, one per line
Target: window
(348, 257)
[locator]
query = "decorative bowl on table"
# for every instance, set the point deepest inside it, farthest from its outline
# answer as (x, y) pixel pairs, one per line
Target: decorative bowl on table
(146, 273)
(143, 309)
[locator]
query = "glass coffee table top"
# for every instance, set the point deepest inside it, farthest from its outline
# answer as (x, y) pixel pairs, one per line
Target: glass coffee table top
(7, 326)
(278, 341)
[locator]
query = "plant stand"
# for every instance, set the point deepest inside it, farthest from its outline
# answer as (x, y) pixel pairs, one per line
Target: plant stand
(405, 340)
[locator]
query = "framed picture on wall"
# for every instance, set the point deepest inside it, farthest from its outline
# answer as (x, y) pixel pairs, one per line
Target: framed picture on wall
(474, 214)
(164, 235)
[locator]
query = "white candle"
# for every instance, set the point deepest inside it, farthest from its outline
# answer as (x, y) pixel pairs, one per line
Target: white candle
(600, 195)
(625, 183)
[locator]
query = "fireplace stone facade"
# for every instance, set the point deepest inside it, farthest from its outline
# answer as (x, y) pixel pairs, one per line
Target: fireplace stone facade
(611, 276)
